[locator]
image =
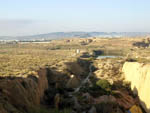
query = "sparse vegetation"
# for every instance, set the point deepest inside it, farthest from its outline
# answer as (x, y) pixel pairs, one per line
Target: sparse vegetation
(23, 59)
(64, 61)
(104, 84)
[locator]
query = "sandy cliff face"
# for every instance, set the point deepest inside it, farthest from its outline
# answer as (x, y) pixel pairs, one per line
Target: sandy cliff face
(139, 76)
(19, 94)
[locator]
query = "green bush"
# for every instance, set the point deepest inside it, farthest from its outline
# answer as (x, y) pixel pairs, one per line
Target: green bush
(104, 84)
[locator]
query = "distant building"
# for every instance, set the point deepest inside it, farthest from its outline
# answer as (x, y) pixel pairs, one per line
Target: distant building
(145, 43)
(77, 51)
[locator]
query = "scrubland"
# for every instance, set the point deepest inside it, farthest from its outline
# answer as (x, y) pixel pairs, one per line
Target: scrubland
(61, 66)
(22, 59)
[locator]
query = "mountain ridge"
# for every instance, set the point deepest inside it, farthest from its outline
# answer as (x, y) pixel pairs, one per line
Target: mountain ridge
(60, 35)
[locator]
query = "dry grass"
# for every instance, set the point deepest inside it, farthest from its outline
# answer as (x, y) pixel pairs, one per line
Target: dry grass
(26, 59)
(23, 59)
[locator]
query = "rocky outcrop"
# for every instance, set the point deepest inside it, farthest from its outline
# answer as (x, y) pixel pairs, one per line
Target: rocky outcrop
(18, 95)
(139, 76)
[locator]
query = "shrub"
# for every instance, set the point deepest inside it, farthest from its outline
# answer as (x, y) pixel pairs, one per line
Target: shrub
(104, 84)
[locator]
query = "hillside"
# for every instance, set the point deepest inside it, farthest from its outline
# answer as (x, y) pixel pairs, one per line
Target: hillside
(60, 35)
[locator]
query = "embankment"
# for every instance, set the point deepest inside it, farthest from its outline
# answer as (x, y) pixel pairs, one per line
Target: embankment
(18, 95)
(139, 76)
(24, 95)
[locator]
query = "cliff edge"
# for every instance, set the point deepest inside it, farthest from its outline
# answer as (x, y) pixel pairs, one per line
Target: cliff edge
(139, 76)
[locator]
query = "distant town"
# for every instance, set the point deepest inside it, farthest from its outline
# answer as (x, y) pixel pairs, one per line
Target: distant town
(23, 41)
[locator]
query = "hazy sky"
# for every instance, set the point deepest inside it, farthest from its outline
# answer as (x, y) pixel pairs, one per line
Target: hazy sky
(27, 17)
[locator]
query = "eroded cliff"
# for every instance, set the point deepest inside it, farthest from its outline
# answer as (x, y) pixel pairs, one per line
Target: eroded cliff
(36, 92)
(139, 76)
(18, 95)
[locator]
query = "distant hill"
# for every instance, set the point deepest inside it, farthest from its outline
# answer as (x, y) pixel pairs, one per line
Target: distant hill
(60, 35)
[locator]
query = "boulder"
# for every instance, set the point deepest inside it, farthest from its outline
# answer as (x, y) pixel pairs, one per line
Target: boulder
(77, 106)
(124, 99)
(73, 82)
(88, 97)
(105, 99)
(92, 110)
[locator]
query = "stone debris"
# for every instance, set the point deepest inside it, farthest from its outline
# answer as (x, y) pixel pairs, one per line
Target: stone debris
(124, 99)
(92, 110)
(105, 99)
(88, 97)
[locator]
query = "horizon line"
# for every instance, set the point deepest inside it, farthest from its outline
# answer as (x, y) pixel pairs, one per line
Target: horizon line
(73, 32)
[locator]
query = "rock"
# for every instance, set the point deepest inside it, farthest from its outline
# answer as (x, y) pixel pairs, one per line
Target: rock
(22, 92)
(135, 109)
(92, 110)
(88, 97)
(73, 111)
(105, 99)
(124, 99)
(106, 107)
(77, 106)
(139, 76)
(57, 100)
(74, 82)
(118, 110)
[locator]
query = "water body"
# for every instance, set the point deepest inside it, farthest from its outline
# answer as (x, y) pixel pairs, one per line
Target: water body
(108, 56)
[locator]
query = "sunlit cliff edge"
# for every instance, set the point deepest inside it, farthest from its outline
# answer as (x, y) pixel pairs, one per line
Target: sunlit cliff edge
(139, 76)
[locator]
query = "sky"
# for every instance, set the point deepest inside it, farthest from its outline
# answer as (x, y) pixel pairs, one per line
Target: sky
(29, 17)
